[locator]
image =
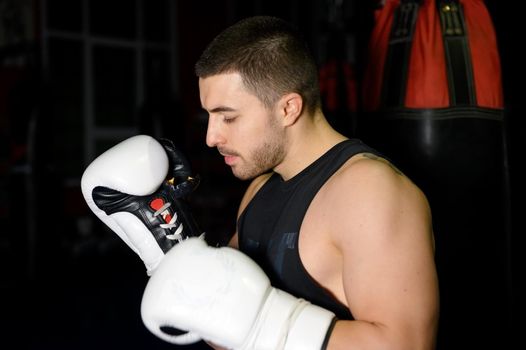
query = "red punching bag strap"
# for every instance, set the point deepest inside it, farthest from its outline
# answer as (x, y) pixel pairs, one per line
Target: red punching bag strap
(457, 53)
(459, 67)
(398, 53)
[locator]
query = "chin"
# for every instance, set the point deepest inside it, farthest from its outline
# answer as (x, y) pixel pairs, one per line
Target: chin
(246, 175)
(243, 176)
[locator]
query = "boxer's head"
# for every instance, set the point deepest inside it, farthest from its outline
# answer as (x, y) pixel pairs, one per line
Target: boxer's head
(271, 57)
(250, 136)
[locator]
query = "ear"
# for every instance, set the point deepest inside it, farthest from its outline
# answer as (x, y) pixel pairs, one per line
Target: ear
(291, 107)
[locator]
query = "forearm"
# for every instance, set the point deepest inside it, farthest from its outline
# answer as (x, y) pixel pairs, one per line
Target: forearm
(359, 335)
(362, 335)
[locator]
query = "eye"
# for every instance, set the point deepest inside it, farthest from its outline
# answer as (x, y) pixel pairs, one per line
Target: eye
(228, 119)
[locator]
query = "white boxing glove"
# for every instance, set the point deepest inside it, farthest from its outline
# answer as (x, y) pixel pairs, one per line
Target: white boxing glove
(131, 188)
(221, 296)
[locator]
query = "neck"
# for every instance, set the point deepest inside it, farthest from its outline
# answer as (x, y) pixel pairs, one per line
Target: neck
(307, 140)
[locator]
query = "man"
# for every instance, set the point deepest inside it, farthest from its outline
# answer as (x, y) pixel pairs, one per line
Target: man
(366, 238)
(343, 237)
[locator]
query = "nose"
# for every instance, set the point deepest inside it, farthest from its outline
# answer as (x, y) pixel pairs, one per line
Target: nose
(214, 136)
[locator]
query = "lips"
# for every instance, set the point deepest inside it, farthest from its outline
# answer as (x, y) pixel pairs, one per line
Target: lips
(230, 160)
(230, 157)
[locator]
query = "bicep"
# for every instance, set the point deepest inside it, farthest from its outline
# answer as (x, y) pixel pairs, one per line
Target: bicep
(389, 275)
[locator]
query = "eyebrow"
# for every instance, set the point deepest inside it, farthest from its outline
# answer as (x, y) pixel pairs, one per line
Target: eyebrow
(222, 109)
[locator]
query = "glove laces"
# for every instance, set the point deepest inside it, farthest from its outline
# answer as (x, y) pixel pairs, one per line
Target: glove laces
(177, 235)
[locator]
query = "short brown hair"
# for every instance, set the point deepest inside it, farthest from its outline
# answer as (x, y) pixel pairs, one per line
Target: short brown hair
(271, 57)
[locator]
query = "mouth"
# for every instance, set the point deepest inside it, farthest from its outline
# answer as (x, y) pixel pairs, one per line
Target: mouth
(230, 160)
(230, 157)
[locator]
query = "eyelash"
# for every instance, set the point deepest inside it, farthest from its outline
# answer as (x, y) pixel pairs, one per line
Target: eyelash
(228, 120)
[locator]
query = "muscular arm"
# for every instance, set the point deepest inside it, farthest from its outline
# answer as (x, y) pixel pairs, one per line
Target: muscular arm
(384, 236)
(381, 228)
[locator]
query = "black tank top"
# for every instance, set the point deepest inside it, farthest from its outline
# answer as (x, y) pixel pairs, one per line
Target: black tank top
(268, 228)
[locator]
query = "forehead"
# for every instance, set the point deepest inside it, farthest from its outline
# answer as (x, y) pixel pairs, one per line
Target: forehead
(225, 89)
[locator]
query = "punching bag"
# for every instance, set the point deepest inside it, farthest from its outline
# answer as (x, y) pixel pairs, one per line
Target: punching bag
(432, 102)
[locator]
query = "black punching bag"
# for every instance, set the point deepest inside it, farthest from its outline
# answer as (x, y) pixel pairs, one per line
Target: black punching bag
(432, 103)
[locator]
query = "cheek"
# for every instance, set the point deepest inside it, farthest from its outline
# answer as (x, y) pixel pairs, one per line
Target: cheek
(252, 131)
(256, 128)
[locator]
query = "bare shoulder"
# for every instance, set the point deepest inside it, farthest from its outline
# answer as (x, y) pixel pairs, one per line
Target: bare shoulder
(368, 164)
(370, 188)
(366, 173)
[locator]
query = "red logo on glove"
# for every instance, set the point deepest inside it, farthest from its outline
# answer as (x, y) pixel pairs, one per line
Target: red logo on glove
(157, 204)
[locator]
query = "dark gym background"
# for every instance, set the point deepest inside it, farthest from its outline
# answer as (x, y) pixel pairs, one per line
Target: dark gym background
(78, 76)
